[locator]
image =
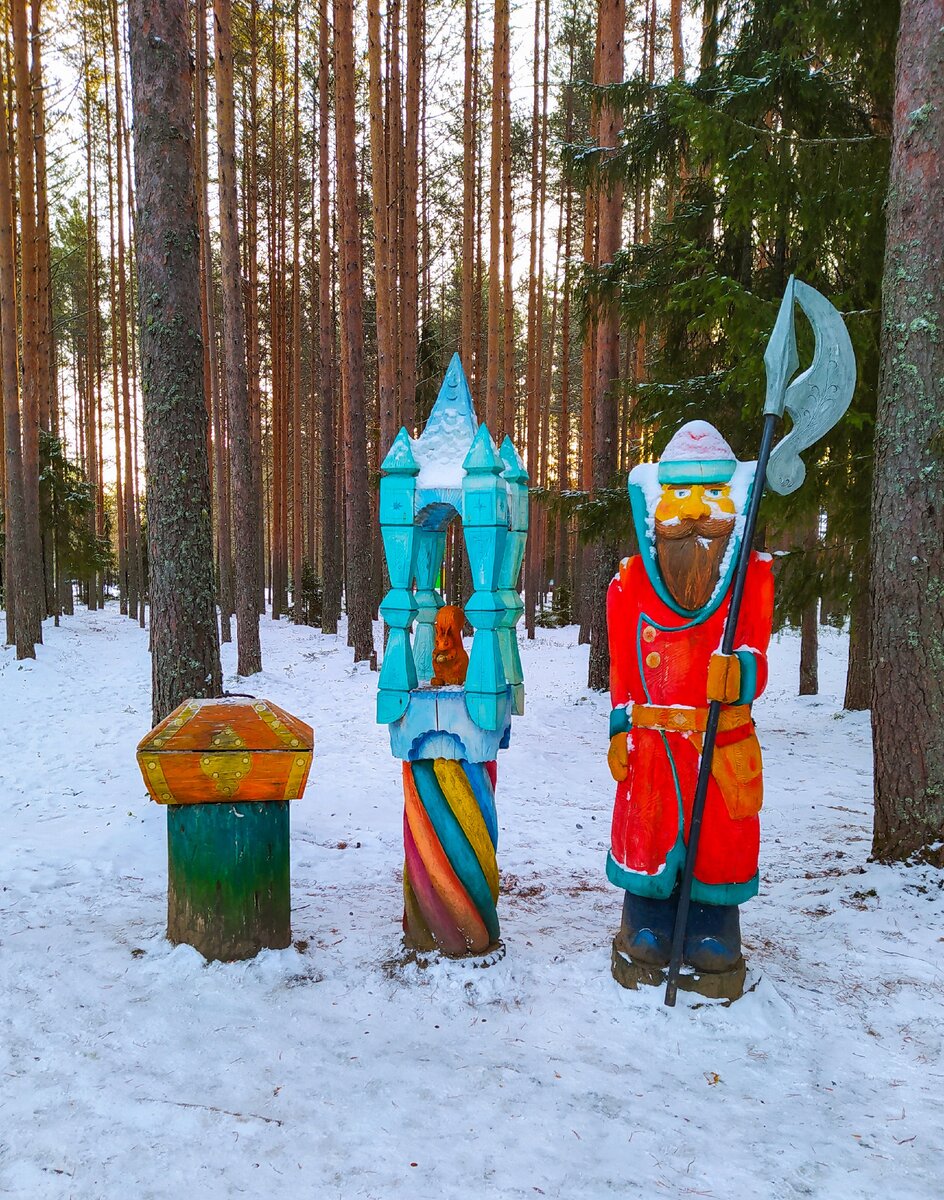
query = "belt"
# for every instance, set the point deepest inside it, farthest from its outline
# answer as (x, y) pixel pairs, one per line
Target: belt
(670, 719)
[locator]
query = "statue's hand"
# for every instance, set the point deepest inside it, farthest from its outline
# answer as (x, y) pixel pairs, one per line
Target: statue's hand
(724, 678)
(617, 757)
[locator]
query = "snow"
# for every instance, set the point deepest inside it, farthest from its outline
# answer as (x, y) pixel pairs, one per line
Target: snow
(132, 1068)
(447, 436)
(697, 440)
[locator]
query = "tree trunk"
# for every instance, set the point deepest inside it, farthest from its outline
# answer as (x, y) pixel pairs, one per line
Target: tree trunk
(185, 650)
(409, 278)
(114, 323)
(298, 509)
(809, 650)
(533, 348)
(492, 398)
(245, 497)
(211, 373)
(859, 671)
(612, 19)
(127, 500)
(252, 301)
(15, 577)
(88, 396)
(467, 266)
(907, 643)
(357, 518)
(506, 423)
(331, 542)
(32, 374)
(809, 621)
(387, 349)
(48, 413)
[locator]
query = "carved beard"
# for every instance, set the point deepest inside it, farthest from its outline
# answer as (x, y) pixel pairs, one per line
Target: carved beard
(690, 554)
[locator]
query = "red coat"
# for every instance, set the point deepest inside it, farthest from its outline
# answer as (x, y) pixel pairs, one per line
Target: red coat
(660, 658)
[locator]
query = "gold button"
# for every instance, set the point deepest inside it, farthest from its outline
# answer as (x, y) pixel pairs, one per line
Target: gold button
(653, 659)
(649, 634)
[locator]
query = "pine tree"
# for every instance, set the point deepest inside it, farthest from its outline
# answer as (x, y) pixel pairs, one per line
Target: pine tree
(357, 509)
(785, 172)
(245, 495)
(17, 594)
(327, 379)
(185, 650)
(908, 513)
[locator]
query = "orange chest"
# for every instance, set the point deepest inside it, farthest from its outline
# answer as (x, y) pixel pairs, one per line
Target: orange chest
(233, 749)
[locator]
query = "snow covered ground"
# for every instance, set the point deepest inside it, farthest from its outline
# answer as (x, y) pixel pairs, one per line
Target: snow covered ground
(133, 1069)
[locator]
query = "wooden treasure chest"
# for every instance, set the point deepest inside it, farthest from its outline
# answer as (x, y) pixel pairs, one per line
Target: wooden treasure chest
(231, 749)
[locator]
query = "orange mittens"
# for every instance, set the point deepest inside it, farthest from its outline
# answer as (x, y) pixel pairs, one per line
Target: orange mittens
(617, 757)
(724, 678)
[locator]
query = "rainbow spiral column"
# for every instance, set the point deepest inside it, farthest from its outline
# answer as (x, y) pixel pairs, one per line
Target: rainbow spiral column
(450, 837)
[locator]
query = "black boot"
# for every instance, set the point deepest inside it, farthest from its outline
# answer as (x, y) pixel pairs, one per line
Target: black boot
(713, 937)
(646, 935)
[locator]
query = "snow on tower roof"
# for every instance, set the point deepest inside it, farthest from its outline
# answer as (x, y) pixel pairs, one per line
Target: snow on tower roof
(445, 441)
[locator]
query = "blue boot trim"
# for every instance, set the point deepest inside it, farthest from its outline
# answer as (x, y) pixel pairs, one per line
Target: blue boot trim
(650, 947)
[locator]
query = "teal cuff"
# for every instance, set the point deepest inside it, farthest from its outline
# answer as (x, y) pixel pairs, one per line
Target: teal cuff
(662, 885)
(619, 720)
(659, 886)
(724, 893)
(748, 661)
(715, 470)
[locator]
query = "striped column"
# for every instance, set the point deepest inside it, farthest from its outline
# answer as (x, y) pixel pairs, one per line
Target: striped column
(450, 836)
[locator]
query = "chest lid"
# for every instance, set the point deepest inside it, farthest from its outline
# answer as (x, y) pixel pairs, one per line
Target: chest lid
(232, 723)
(234, 749)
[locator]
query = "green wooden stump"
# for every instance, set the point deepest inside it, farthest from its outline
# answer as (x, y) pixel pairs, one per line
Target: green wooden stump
(228, 888)
(227, 769)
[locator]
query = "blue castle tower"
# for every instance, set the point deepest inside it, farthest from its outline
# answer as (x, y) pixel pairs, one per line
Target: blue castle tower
(448, 738)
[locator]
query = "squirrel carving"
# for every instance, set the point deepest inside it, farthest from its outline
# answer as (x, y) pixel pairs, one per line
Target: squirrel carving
(450, 661)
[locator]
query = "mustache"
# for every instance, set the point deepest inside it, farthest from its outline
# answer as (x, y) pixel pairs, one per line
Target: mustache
(706, 527)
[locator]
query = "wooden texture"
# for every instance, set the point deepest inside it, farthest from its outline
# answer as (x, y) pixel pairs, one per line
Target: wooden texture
(245, 496)
(226, 769)
(16, 590)
(215, 751)
(907, 639)
(713, 985)
(359, 556)
(186, 659)
(450, 877)
(450, 661)
(228, 878)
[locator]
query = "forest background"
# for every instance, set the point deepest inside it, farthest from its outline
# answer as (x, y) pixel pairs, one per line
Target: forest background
(597, 205)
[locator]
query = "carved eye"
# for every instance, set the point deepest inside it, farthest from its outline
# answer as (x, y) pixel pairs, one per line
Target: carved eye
(682, 493)
(714, 493)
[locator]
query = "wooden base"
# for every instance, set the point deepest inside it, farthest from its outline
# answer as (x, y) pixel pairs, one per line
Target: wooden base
(721, 985)
(228, 886)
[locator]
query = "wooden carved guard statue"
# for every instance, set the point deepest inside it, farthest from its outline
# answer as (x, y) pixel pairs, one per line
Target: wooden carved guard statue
(666, 613)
